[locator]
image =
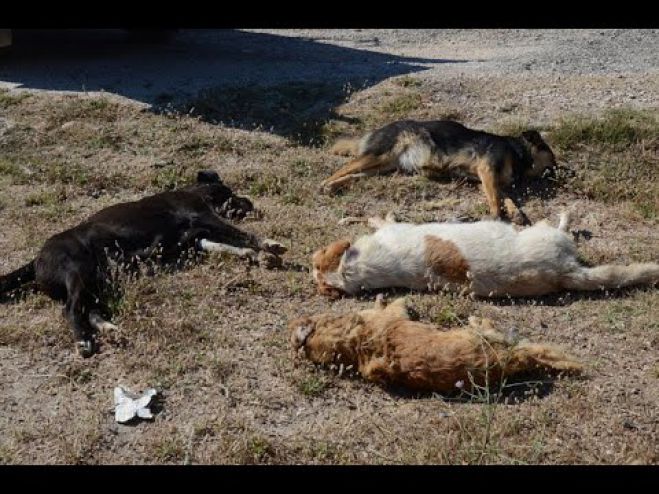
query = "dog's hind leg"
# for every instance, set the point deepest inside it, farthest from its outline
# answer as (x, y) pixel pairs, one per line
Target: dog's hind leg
(77, 312)
(375, 222)
(364, 166)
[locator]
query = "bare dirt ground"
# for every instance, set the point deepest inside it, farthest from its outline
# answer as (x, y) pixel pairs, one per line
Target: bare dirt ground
(95, 120)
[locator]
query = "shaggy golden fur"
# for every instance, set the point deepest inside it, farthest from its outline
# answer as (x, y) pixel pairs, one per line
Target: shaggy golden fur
(386, 347)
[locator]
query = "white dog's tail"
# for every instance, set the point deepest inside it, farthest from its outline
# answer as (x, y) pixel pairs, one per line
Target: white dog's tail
(611, 276)
(564, 223)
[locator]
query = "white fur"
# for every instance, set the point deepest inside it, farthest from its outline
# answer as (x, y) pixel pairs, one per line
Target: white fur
(209, 246)
(502, 261)
(100, 324)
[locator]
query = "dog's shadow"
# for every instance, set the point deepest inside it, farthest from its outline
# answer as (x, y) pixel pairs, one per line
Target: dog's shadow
(512, 392)
(564, 299)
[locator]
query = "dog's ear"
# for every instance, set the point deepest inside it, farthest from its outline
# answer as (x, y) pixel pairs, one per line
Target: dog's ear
(350, 254)
(300, 329)
(533, 137)
(208, 177)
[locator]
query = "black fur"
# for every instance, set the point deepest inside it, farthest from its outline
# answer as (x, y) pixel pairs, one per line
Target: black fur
(452, 137)
(72, 265)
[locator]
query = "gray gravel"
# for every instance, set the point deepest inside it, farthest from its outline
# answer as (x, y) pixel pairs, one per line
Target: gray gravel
(104, 60)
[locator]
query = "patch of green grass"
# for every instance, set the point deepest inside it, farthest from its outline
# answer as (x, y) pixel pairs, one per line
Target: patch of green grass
(104, 140)
(169, 449)
(99, 109)
(617, 128)
(613, 157)
(259, 448)
(8, 99)
(265, 184)
(196, 146)
(647, 209)
(45, 197)
(312, 386)
(407, 81)
(7, 456)
(513, 127)
(447, 317)
(171, 178)
(66, 173)
(400, 105)
(11, 169)
(616, 316)
(301, 168)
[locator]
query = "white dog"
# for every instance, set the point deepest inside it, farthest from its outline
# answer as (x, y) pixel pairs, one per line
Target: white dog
(486, 258)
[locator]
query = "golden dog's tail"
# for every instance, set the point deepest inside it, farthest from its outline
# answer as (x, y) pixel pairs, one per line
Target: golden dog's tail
(527, 357)
(347, 146)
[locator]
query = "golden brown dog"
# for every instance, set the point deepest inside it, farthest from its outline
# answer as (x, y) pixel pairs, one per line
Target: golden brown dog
(386, 347)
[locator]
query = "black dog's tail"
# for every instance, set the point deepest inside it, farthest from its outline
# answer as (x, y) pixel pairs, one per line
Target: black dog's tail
(16, 279)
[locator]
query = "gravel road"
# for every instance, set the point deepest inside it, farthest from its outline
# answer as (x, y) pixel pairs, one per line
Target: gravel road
(559, 69)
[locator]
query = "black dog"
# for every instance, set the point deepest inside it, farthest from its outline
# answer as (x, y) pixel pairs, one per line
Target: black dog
(72, 265)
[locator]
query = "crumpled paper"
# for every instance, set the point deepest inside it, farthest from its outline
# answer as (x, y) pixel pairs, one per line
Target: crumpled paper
(129, 405)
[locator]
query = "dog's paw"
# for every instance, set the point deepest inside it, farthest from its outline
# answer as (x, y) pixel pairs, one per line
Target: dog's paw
(518, 218)
(108, 326)
(273, 247)
(85, 348)
(269, 260)
(328, 188)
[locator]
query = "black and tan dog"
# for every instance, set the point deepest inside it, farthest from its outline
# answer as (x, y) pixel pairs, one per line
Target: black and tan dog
(443, 148)
(72, 265)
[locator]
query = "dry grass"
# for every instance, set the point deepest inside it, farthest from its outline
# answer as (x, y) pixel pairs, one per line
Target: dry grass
(212, 337)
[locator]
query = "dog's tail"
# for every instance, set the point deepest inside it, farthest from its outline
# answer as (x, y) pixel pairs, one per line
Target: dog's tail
(565, 220)
(527, 357)
(347, 146)
(611, 276)
(16, 279)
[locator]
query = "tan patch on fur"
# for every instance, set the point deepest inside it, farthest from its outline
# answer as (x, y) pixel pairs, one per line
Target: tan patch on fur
(445, 259)
(368, 164)
(542, 159)
(490, 185)
(505, 178)
(325, 261)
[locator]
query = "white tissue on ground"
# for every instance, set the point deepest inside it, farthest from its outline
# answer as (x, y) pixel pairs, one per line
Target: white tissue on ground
(128, 405)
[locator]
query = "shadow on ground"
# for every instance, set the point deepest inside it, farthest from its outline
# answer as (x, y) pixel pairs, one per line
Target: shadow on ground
(286, 85)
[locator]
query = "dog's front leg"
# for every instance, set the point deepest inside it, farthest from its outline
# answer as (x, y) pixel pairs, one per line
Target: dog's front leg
(210, 246)
(515, 214)
(217, 236)
(262, 257)
(490, 188)
(375, 222)
(100, 324)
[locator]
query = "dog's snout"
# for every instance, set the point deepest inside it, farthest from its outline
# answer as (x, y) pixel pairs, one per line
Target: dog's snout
(236, 208)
